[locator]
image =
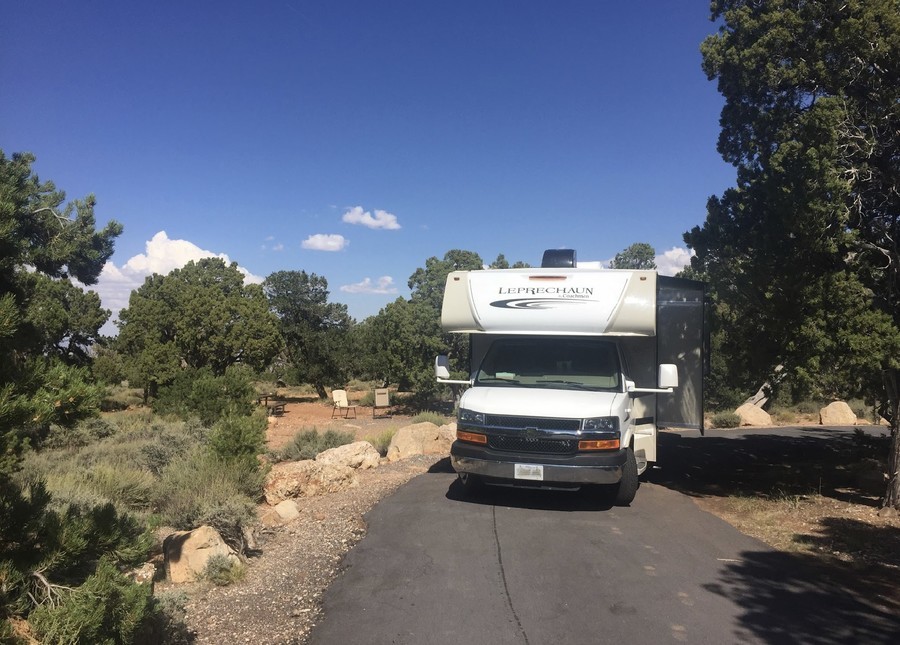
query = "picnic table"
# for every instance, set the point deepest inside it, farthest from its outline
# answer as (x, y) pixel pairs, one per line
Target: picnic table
(274, 407)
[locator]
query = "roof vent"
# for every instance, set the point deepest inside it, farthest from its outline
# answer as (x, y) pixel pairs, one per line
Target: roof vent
(559, 259)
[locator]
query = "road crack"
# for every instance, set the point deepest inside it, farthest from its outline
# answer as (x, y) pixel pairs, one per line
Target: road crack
(509, 602)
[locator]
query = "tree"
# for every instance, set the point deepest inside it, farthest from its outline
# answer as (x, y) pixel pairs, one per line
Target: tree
(199, 316)
(427, 284)
(315, 331)
(46, 322)
(810, 232)
(401, 342)
(638, 256)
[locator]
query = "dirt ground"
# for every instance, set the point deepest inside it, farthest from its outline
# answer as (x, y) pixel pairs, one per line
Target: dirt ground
(308, 412)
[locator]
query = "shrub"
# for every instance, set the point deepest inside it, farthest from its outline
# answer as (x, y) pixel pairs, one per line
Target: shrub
(222, 570)
(367, 399)
(726, 420)
(235, 437)
(382, 441)
(197, 393)
(81, 434)
(107, 608)
(121, 398)
(202, 488)
(308, 443)
(430, 417)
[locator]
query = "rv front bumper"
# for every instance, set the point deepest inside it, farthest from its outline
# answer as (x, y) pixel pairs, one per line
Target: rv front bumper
(584, 468)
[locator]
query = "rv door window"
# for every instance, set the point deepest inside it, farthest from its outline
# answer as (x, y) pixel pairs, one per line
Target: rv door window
(554, 362)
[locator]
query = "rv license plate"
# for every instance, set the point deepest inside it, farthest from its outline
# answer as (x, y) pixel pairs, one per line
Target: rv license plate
(534, 472)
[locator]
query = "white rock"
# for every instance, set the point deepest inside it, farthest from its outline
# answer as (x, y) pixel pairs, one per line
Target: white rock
(837, 414)
(188, 552)
(360, 455)
(420, 439)
(306, 478)
(753, 416)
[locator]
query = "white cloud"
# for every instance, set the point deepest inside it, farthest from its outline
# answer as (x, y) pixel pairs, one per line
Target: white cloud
(673, 260)
(162, 255)
(384, 285)
(381, 219)
(322, 242)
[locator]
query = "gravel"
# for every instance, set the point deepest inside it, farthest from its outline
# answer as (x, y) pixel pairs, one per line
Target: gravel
(279, 600)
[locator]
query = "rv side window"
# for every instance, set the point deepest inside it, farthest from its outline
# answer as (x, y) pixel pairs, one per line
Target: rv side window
(555, 362)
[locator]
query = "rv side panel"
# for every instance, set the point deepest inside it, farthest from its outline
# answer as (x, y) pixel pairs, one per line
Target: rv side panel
(681, 335)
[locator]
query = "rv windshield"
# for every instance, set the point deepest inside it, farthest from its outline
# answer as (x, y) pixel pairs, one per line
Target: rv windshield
(557, 362)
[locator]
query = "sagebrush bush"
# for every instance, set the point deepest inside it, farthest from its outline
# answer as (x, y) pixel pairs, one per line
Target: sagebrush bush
(222, 570)
(308, 443)
(726, 420)
(430, 417)
(382, 441)
(202, 488)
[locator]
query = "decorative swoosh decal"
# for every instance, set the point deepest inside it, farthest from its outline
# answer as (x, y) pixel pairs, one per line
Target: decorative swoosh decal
(536, 303)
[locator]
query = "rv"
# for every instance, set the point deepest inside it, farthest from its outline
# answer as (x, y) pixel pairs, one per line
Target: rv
(571, 372)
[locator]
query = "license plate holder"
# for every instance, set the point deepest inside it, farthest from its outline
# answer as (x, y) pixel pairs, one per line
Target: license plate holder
(532, 472)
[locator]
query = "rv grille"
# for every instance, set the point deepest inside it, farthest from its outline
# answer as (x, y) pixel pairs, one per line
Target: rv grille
(534, 444)
(520, 423)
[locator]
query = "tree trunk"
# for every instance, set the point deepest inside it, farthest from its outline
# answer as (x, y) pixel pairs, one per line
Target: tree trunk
(320, 390)
(892, 494)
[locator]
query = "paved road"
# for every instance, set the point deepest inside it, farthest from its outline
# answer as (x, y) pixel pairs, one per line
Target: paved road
(534, 568)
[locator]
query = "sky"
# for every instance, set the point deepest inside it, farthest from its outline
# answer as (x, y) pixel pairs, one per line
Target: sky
(355, 139)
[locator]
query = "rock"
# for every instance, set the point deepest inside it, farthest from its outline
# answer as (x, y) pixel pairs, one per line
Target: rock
(421, 439)
(837, 414)
(144, 574)
(753, 416)
(188, 552)
(306, 478)
(287, 510)
(360, 455)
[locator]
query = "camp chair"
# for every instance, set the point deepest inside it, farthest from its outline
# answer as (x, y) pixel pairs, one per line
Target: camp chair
(341, 406)
(382, 400)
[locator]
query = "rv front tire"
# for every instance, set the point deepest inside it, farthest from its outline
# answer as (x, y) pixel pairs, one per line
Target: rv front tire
(627, 487)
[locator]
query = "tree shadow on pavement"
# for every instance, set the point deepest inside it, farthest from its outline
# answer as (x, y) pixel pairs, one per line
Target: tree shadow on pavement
(760, 463)
(794, 598)
(798, 597)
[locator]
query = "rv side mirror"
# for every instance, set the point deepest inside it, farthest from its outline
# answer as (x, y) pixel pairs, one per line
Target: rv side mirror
(668, 376)
(442, 367)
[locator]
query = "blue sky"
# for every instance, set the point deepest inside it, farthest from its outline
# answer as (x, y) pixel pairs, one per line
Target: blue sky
(356, 139)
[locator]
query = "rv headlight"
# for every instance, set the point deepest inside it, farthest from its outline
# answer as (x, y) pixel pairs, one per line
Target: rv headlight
(600, 424)
(468, 416)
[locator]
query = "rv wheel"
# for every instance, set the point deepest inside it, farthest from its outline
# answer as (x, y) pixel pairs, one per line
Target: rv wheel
(470, 483)
(626, 489)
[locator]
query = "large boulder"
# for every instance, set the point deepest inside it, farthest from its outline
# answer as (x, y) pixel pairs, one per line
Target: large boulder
(360, 455)
(837, 414)
(753, 416)
(188, 552)
(421, 439)
(306, 478)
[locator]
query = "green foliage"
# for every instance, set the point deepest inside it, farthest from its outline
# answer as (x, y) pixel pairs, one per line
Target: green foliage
(726, 420)
(308, 443)
(239, 437)
(108, 366)
(46, 325)
(401, 343)
(223, 571)
(107, 608)
(382, 441)
(201, 488)
(639, 255)
(429, 417)
(801, 253)
(199, 393)
(201, 315)
(315, 332)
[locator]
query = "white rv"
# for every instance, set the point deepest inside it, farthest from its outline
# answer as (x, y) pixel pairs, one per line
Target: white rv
(572, 371)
